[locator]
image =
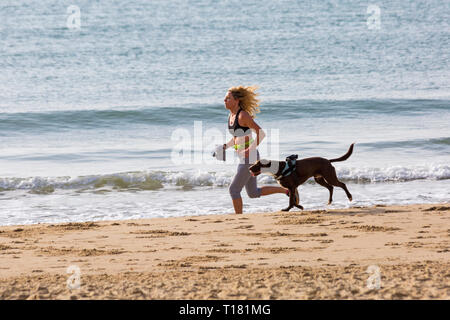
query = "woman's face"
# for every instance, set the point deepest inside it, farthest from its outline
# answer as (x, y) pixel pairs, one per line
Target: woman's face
(230, 102)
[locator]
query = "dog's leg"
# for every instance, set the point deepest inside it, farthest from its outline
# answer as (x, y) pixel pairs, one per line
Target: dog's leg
(322, 182)
(292, 201)
(295, 202)
(343, 186)
(331, 177)
(290, 204)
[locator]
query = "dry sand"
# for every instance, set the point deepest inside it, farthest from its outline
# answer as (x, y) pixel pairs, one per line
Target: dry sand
(296, 255)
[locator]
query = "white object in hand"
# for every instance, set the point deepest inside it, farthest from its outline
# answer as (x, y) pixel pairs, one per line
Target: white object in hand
(219, 153)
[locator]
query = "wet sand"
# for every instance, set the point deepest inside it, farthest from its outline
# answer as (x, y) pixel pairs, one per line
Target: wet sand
(326, 254)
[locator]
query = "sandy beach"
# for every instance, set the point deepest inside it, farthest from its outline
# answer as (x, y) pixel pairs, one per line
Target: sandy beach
(297, 255)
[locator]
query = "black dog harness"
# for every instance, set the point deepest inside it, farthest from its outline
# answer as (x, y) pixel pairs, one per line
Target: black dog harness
(289, 167)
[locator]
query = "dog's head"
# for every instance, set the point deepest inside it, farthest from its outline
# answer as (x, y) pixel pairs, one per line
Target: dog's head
(264, 166)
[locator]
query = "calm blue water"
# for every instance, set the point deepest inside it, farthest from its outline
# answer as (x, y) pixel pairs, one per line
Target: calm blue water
(92, 120)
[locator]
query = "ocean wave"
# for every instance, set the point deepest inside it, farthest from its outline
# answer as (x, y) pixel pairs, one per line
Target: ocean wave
(395, 173)
(214, 113)
(433, 143)
(155, 180)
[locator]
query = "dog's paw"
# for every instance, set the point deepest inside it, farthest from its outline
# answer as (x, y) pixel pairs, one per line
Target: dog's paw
(300, 207)
(350, 199)
(329, 203)
(286, 209)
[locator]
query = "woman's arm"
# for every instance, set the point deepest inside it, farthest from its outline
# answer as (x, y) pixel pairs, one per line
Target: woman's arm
(248, 121)
(228, 144)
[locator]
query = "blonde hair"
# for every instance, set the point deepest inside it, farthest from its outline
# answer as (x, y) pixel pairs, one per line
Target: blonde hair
(247, 98)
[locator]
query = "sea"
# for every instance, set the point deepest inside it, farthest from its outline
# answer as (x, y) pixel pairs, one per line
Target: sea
(110, 109)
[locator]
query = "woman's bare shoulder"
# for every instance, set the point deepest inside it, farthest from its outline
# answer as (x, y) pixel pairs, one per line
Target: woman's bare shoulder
(244, 115)
(246, 119)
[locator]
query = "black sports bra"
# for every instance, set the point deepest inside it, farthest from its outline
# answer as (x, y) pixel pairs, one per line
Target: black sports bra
(236, 130)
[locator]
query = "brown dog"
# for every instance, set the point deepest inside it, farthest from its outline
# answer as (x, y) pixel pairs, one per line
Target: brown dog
(319, 168)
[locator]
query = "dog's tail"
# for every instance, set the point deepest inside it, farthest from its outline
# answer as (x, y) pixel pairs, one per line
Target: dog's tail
(345, 156)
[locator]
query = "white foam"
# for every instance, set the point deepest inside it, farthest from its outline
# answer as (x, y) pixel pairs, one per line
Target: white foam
(395, 173)
(222, 178)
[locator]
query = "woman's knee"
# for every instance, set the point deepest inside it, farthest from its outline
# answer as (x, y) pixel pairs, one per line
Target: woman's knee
(235, 193)
(256, 193)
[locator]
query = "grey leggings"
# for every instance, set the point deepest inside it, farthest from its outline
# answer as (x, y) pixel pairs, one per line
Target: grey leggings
(244, 178)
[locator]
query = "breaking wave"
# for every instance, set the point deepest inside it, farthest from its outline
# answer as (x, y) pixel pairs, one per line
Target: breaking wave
(156, 180)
